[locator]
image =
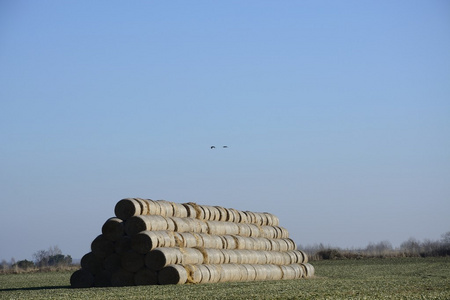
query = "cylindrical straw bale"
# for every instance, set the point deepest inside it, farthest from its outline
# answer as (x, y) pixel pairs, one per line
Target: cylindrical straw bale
(275, 245)
(181, 225)
(213, 256)
(122, 245)
(261, 272)
(243, 217)
(308, 270)
(102, 247)
(122, 277)
(251, 272)
(91, 263)
(268, 232)
(113, 229)
(166, 208)
(188, 240)
(206, 212)
(228, 242)
(234, 215)
(145, 276)
(82, 279)
(172, 274)
(102, 279)
(272, 220)
(223, 213)
(191, 256)
(214, 273)
(145, 241)
(112, 263)
(137, 224)
(179, 210)
(126, 208)
(251, 217)
(132, 261)
(159, 258)
(153, 207)
(194, 274)
(191, 212)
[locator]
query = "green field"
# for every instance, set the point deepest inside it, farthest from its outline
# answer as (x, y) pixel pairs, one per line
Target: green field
(389, 278)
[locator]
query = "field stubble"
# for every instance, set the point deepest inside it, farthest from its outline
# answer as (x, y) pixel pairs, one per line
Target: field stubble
(392, 278)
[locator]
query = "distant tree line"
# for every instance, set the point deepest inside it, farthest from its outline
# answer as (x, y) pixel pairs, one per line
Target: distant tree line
(409, 248)
(52, 258)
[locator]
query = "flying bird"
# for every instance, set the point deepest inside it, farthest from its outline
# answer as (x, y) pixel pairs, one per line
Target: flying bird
(224, 146)
(213, 147)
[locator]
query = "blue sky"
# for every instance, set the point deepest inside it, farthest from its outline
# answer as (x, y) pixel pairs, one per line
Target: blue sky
(336, 114)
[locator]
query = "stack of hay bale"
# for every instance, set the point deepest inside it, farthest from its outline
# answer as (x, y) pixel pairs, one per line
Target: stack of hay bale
(159, 242)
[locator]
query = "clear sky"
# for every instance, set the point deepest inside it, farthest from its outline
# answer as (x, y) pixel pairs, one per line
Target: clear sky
(336, 114)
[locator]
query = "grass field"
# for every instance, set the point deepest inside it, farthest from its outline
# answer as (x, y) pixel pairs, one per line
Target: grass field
(392, 278)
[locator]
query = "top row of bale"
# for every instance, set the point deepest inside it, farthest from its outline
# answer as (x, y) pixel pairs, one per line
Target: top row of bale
(129, 207)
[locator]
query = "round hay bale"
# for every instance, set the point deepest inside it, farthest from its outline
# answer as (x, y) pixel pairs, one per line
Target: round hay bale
(191, 256)
(291, 243)
(194, 274)
(153, 207)
(113, 229)
(228, 242)
(145, 241)
(188, 240)
(91, 263)
(143, 204)
(191, 212)
(102, 247)
(166, 208)
(146, 276)
(308, 270)
(213, 256)
(288, 272)
(180, 225)
(251, 272)
(261, 272)
(102, 279)
(223, 213)
(122, 245)
(214, 273)
(132, 261)
(126, 208)
(172, 274)
(81, 279)
(159, 258)
(112, 263)
(136, 224)
(122, 277)
(179, 210)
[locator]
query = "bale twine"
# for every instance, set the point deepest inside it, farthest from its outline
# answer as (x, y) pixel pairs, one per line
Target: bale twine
(91, 263)
(112, 263)
(122, 245)
(137, 224)
(122, 277)
(126, 208)
(102, 247)
(112, 229)
(81, 279)
(132, 261)
(172, 274)
(146, 276)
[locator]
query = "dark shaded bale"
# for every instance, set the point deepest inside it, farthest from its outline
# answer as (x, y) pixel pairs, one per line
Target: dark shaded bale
(132, 261)
(112, 263)
(145, 276)
(91, 263)
(122, 277)
(122, 245)
(81, 279)
(102, 247)
(172, 274)
(126, 208)
(113, 229)
(102, 279)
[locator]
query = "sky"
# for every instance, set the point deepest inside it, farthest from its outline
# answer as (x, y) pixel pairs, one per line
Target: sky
(336, 115)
